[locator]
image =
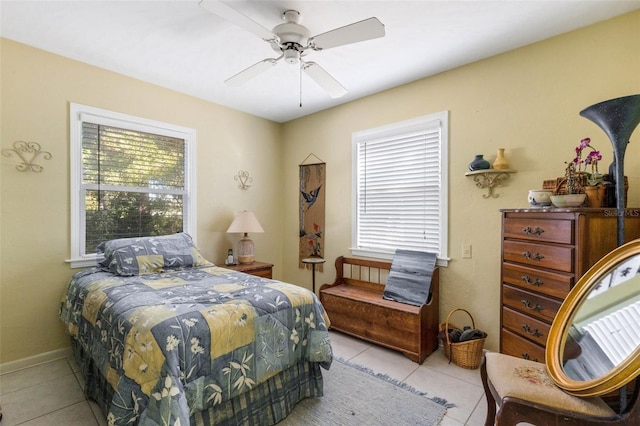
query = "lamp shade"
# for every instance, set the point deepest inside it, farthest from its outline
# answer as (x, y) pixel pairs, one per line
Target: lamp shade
(245, 222)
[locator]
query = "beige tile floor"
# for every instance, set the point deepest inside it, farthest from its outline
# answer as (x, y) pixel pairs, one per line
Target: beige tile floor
(51, 394)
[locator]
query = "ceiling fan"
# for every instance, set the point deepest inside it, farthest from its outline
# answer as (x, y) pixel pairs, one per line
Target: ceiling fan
(291, 41)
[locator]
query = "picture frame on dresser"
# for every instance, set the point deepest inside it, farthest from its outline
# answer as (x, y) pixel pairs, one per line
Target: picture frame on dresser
(544, 253)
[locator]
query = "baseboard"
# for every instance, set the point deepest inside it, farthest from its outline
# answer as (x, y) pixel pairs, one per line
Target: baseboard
(9, 367)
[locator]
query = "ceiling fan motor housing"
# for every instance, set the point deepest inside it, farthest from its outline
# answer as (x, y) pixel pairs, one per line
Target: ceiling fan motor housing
(293, 36)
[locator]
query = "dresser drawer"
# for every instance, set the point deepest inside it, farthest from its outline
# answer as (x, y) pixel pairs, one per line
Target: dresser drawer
(535, 305)
(540, 255)
(512, 344)
(525, 326)
(554, 284)
(258, 269)
(264, 273)
(552, 231)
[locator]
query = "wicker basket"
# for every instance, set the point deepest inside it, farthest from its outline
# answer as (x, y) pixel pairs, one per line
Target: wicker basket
(559, 185)
(463, 354)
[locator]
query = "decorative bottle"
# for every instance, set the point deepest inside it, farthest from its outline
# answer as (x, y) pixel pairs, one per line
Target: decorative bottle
(500, 163)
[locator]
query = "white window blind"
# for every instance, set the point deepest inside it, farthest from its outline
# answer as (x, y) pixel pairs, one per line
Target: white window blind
(130, 177)
(400, 188)
(133, 183)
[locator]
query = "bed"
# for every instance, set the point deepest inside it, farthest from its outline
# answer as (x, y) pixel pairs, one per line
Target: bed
(163, 337)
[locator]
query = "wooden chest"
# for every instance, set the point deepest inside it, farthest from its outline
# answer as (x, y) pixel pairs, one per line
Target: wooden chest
(544, 253)
(355, 306)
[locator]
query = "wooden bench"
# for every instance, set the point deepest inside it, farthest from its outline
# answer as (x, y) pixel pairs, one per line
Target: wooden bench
(355, 306)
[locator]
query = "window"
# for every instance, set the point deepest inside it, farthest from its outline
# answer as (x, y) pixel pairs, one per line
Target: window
(400, 188)
(130, 177)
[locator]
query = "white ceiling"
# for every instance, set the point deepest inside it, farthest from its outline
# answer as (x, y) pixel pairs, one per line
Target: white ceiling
(181, 46)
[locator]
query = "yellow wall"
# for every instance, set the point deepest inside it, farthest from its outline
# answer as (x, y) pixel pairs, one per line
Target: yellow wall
(526, 101)
(37, 88)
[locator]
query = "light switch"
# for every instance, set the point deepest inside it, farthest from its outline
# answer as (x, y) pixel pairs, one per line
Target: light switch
(466, 251)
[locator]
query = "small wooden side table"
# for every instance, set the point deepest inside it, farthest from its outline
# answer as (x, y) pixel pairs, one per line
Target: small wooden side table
(313, 261)
(259, 269)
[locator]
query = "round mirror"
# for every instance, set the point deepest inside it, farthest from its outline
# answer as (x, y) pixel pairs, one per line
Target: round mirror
(594, 341)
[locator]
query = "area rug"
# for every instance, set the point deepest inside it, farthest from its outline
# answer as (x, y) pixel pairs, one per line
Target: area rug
(355, 396)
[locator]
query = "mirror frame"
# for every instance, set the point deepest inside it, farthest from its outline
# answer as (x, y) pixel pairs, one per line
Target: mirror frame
(620, 375)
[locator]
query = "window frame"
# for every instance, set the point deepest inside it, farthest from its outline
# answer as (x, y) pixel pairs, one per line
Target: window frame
(439, 119)
(82, 113)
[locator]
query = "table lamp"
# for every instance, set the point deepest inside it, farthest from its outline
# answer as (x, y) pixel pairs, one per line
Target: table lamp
(245, 222)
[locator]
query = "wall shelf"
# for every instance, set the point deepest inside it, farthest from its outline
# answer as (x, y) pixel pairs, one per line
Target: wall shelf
(490, 178)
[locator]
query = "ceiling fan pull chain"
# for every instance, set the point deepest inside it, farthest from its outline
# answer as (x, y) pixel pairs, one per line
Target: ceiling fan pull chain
(301, 65)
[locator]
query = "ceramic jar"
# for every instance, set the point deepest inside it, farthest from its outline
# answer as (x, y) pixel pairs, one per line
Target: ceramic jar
(479, 163)
(539, 197)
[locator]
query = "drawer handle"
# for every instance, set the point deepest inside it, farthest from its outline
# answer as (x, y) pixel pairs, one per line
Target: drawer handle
(527, 305)
(527, 357)
(536, 256)
(527, 280)
(536, 231)
(527, 329)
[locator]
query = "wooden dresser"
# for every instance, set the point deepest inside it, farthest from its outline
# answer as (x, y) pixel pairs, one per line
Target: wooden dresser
(544, 253)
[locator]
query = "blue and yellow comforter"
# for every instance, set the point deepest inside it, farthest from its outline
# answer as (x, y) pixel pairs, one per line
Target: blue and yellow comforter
(175, 343)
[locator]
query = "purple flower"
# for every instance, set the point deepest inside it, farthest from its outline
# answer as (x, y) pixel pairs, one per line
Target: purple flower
(591, 159)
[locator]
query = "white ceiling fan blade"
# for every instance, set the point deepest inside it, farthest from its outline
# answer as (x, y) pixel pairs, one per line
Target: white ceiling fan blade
(359, 31)
(230, 14)
(324, 79)
(249, 73)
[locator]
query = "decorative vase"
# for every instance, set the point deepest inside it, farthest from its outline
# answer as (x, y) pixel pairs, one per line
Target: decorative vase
(595, 195)
(479, 163)
(500, 163)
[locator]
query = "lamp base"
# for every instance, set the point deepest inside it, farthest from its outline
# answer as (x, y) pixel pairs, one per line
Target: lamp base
(245, 250)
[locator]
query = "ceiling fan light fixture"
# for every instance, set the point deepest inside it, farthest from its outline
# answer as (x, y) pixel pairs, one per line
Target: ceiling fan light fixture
(291, 56)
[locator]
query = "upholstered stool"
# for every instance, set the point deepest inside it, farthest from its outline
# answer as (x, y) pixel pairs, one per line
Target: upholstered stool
(525, 393)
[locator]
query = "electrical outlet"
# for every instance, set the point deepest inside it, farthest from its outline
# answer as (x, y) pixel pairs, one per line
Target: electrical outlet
(466, 251)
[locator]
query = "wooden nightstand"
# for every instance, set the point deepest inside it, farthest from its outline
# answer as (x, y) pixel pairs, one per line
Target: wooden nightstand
(259, 269)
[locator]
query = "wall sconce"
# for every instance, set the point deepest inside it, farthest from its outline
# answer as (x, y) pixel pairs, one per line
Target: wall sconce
(245, 222)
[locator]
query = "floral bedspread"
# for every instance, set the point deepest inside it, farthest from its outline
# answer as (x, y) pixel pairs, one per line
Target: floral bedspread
(175, 343)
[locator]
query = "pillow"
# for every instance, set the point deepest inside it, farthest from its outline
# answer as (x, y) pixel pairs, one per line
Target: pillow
(150, 255)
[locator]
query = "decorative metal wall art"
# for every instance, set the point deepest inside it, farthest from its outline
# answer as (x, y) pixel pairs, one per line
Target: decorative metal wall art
(28, 152)
(244, 179)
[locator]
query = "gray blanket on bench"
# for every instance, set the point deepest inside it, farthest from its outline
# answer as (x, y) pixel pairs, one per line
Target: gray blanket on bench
(410, 277)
